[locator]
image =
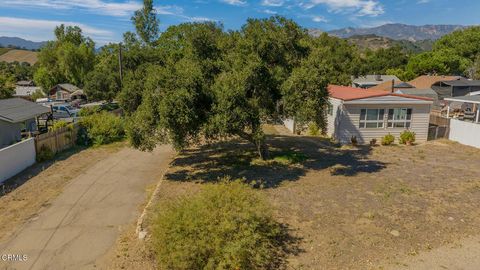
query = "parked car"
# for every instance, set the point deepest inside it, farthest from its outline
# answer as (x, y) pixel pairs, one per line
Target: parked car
(64, 111)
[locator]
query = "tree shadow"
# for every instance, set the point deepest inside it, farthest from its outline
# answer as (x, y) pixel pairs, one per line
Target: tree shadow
(237, 159)
(21, 178)
(287, 244)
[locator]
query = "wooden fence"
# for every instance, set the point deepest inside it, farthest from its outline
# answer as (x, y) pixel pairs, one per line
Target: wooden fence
(58, 140)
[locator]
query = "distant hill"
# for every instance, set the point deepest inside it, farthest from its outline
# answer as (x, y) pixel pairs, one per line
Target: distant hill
(20, 43)
(398, 31)
(19, 56)
(375, 42)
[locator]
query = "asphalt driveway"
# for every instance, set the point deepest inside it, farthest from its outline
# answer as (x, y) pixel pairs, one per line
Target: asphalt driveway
(83, 223)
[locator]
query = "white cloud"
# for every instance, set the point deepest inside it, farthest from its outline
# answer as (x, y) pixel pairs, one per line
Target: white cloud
(362, 7)
(319, 19)
(273, 3)
(41, 30)
(120, 9)
(268, 11)
(235, 2)
(423, 1)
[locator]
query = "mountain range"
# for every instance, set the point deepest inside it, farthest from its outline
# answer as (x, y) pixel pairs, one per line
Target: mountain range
(397, 31)
(392, 31)
(20, 43)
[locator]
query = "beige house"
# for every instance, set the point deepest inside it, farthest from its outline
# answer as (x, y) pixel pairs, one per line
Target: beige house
(372, 114)
(64, 92)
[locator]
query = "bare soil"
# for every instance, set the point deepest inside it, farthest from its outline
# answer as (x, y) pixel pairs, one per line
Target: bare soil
(34, 188)
(352, 208)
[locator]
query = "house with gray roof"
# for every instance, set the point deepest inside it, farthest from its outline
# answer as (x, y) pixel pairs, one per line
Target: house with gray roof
(369, 81)
(456, 88)
(63, 92)
(17, 115)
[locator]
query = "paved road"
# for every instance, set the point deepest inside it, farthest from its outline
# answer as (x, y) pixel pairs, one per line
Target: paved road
(83, 223)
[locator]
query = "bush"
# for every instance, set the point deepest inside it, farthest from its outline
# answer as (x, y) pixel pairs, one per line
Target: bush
(313, 129)
(388, 139)
(407, 137)
(225, 226)
(87, 111)
(45, 154)
(58, 125)
(373, 142)
(101, 128)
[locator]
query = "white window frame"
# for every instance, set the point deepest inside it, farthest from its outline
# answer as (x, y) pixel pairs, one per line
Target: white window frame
(380, 121)
(407, 123)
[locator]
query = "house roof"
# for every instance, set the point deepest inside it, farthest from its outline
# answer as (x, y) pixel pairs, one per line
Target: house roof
(16, 110)
(418, 92)
(465, 99)
(347, 93)
(23, 91)
(385, 86)
(403, 85)
(67, 87)
(373, 79)
(426, 81)
(462, 82)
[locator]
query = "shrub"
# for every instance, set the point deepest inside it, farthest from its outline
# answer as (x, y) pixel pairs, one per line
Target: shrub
(44, 154)
(373, 142)
(58, 125)
(225, 226)
(407, 137)
(101, 128)
(388, 139)
(87, 111)
(313, 129)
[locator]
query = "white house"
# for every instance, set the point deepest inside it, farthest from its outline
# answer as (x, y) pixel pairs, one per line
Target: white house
(372, 114)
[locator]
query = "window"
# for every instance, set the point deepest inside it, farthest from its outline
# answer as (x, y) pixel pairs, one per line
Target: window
(330, 109)
(399, 118)
(371, 118)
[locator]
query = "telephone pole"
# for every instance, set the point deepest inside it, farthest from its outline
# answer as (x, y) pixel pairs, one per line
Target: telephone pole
(120, 69)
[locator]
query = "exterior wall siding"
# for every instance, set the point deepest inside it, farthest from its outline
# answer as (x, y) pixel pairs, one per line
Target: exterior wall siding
(348, 122)
(331, 119)
(9, 133)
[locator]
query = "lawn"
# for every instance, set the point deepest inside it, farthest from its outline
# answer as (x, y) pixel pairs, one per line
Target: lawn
(350, 208)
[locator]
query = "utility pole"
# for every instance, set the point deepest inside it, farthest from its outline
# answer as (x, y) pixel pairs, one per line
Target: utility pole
(120, 69)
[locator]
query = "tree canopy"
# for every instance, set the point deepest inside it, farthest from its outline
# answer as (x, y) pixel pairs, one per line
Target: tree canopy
(67, 59)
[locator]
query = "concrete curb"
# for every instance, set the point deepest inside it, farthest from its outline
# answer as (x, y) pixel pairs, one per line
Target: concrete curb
(140, 230)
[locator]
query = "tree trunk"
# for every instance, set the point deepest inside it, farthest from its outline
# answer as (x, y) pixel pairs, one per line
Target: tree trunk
(260, 145)
(262, 149)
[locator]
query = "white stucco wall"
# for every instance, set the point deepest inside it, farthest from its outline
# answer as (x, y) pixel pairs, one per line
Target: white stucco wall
(465, 132)
(15, 158)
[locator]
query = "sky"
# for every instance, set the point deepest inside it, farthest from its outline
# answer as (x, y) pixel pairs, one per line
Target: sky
(106, 20)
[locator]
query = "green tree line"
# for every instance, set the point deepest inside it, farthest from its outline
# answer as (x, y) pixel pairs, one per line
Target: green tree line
(196, 81)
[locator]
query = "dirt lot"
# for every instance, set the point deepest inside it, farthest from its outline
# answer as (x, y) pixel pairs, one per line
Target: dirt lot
(37, 186)
(352, 208)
